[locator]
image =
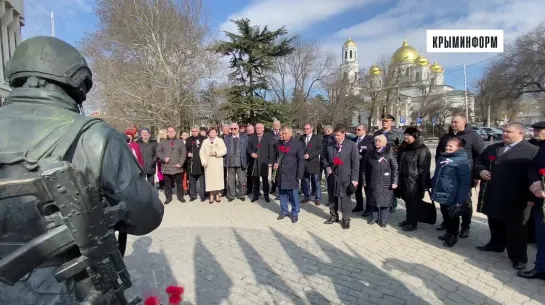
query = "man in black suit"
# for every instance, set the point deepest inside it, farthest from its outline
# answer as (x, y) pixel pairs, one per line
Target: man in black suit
(275, 134)
(342, 178)
(225, 131)
(261, 154)
(313, 148)
(505, 198)
(364, 142)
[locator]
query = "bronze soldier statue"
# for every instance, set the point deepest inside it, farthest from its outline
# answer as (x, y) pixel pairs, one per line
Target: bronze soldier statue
(67, 183)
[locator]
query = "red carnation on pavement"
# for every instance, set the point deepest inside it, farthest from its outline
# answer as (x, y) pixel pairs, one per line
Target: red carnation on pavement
(337, 161)
(541, 171)
(175, 290)
(175, 295)
(492, 158)
(175, 299)
(152, 301)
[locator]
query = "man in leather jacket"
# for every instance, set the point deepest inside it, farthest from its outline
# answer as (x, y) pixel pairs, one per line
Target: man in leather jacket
(50, 80)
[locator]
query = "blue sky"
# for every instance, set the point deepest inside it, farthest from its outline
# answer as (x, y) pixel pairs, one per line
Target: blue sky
(378, 26)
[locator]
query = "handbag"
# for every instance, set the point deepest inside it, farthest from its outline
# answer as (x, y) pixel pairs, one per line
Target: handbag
(426, 211)
(458, 210)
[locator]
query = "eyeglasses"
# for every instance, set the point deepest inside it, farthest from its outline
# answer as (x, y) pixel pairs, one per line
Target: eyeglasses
(234, 128)
(359, 129)
(194, 131)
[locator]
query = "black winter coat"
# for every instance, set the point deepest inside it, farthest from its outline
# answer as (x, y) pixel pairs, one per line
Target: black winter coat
(149, 154)
(414, 161)
(265, 153)
(292, 166)
(193, 146)
(380, 171)
(314, 150)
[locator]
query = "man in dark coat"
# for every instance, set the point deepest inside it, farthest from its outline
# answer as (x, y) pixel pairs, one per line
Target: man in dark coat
(474, 146)
(364, 143)
(50, 81)
(537, 187)
(342, 178)
(148, 148)
(394, 138)
(313, 148)
(195, 171)
(290, 164)
(506, 200)
(171, 151)
(225, 131)
(236, 161)
(261, 154)
(275, 136)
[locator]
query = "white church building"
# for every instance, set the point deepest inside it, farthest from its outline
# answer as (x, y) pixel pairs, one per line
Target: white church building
(418, 82)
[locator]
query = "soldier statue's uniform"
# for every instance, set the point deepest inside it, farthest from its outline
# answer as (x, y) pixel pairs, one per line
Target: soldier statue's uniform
(67, 183)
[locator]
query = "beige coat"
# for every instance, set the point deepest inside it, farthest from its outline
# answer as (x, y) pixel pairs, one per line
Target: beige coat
(213, 165)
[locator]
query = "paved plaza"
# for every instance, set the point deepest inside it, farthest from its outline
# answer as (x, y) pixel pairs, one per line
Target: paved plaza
(238, 253)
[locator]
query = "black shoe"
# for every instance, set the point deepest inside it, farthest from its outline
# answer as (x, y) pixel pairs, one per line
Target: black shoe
(392, 210)
(464, 233)
(203, 199)
(442, 237)
(316, 202)
(181, 199)
(242, 198)
(382, 224)
(281, 216)
(168, 200)
(532, 274)
(331, 220)
(519, 266)
(371, 221)
(305, 200)
(255, 199)
(267, 199)
(450, 240)
(191, 199)
(403, 223)
(346, 224)
(294, 219)
(357, 209)
(442, 227)
(230, 199)
(366, 213)
(410, 227)
(486, 248)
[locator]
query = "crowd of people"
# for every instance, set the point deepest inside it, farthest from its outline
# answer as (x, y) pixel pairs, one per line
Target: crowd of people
(246, 161)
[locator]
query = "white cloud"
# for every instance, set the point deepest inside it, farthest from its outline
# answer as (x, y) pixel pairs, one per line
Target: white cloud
(382, 35)
(38, 15)
(295, 15)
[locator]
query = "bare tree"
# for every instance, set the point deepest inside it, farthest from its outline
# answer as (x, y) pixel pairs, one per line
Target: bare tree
(211, 101)
(152, 57)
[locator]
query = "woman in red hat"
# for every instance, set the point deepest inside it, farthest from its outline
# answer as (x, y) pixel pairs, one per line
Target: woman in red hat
(133, 146)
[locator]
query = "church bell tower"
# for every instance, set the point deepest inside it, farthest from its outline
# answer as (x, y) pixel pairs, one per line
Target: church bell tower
(350, 66)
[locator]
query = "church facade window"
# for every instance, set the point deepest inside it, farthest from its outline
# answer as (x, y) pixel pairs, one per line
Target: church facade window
(407, 72)
(355, 75)
(350, 54)
(345, 55)
(418, 76)
(345, 75)
(432, 81)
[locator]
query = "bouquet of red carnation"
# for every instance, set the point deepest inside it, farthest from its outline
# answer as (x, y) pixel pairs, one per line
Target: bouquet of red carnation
(491, 160)
(309, 146)
(283, 151)
(175, 295)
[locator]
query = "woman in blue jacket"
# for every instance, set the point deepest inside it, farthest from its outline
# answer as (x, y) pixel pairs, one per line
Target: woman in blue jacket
(451, 184)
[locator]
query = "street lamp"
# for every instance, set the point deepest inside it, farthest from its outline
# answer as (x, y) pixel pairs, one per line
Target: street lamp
(398, 108)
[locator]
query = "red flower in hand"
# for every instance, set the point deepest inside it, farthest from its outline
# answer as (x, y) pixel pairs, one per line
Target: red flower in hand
(152, 301)
(282, 148)
(492, 158)
(337, 161)
(309, 145)
(193, 143)
(258, 145)
(287, 150)
(541, 171)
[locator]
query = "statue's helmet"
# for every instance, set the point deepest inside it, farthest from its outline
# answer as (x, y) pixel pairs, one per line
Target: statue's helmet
(54, 60)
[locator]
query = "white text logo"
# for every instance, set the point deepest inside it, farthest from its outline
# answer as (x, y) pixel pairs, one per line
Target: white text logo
(464, 41)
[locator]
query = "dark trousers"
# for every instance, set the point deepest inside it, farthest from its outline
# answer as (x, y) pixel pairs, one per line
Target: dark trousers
(342, 203)
(224, 193)
(452, 224)
(235, 174)
(540, 240)
(255, 182)
(193, 186)
(151, 178)
(511, 235)
(250, 185)
(412, 210)
(532, 229)
(380, 214)
(310, 185)
(169, 183)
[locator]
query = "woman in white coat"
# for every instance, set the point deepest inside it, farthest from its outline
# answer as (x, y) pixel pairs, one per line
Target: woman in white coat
(212, 151)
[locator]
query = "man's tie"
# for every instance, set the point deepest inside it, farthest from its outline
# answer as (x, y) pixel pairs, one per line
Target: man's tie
(359, 140)
(506, 148)
(235, 143)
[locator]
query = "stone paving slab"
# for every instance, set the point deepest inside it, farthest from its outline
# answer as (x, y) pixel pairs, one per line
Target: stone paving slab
(238, 253)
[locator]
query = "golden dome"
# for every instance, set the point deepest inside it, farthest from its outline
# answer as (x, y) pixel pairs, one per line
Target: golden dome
(374, 70)
(436, 68)
(350, 43)
(405, 54)
(422, 61)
